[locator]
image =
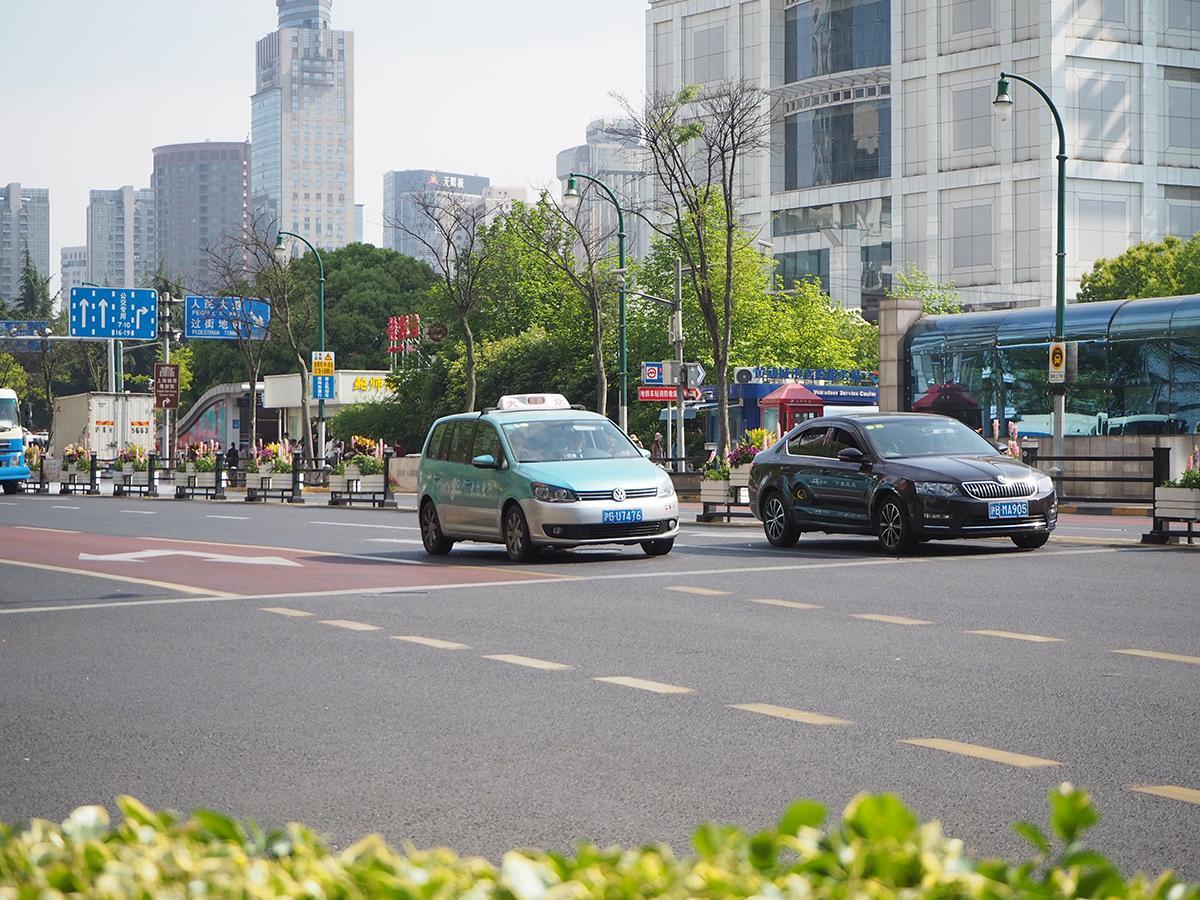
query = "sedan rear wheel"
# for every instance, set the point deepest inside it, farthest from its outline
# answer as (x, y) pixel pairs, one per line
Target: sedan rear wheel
(517, 542)
(778, 526)
(891, 523)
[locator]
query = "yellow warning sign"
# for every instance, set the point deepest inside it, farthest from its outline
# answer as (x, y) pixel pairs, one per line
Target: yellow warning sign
(322, 363)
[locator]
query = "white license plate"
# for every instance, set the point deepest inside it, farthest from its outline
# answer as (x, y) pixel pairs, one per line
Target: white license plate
(1014, 509)
(620, 516)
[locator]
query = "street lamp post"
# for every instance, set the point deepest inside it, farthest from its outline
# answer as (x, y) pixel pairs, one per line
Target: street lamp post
(1003, 104)
(114, 352)
(281, 251)
(571, 195)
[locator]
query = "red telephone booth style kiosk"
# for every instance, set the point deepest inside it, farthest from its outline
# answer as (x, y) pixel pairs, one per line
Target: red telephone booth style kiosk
(787, 405)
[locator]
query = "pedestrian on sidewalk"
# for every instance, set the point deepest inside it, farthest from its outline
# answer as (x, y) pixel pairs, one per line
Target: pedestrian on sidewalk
(658, 451)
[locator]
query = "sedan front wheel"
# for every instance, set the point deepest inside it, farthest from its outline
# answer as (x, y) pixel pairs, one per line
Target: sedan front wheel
(891, 523)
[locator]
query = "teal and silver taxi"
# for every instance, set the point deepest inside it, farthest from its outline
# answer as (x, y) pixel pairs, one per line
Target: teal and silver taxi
(536, 473)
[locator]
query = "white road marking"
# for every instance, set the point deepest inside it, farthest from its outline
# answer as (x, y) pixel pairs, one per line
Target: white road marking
(393, 541)
(1017, 636)
(138, 512)
(51, 530)
(790, 604)
(65, 507)
(206, 594)
(794, 715)
(529, 662)
(890, 620)
(704, 592)
(6, 503)
(238, 518)
(285, 611)
(435, 643)
(365, 525)
(349, 625)
(138, 556)
(657, 687)
(1158, 654)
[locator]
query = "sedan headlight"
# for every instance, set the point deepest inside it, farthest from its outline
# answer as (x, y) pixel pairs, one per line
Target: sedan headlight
(666, 488)
(1045, 484)
(936, 488)
(549, 493)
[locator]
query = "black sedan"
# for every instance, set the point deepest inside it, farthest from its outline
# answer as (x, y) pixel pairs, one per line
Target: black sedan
(905, 477)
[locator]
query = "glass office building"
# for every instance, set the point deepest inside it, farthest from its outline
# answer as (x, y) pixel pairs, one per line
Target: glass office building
(1133, 367)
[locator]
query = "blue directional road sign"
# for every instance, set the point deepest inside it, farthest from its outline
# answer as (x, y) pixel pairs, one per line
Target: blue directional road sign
(322, 387)
(121, 313)
(225, 318)
(22, 329)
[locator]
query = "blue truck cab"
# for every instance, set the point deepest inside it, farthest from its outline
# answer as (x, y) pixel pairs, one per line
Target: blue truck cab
(13, 470)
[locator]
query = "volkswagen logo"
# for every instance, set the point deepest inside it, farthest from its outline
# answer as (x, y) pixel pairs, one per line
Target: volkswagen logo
(619, 495)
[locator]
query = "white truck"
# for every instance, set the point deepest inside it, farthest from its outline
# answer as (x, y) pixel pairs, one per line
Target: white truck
(103, 423)
(12, 443)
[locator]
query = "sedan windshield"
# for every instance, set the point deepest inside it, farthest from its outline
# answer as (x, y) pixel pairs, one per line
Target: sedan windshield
(900, 438)
(8, 412)
(556, 440)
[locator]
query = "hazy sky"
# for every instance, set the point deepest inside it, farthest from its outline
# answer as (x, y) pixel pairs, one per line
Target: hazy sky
(493, 87)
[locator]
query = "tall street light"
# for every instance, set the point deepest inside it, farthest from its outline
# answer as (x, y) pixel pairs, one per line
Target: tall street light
(281, 253)
(115, 358)
(571, 196)
(1003, 104)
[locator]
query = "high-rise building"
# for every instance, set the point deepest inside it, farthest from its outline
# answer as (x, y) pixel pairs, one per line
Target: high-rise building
(614, 157)
(885, 151)
(399, 189)
(121, 246)
(302, 127)
(202, 207)
(72, 272)
(24, 225)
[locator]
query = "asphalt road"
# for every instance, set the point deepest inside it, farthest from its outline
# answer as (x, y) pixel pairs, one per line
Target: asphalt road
(304, 663)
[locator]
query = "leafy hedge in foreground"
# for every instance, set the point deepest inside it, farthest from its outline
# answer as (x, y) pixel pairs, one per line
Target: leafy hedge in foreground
(878, 849)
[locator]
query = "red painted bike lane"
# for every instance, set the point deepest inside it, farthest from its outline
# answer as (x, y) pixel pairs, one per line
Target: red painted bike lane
(199, 566)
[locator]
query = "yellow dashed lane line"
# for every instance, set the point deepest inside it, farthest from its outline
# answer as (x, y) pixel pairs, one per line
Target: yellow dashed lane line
(1156, 654)
(349, 626)
(890, 620)
(706, 592)
(991, 754)
(529, 662)
(285, 611)
(1017, 636)
(789, 604)
(1170, 791)
(642, 684)
(435, 643)
(794, 715)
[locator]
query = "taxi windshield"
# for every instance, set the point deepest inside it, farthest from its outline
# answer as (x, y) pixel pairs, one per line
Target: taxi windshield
(903, 438)
(558, 440)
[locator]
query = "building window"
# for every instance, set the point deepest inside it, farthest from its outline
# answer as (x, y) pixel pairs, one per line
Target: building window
(1105, 111)
(1182, 115)
(971, 243)
(973, 121)
(838, 144)
(708, 54)
(826, 36)
(802, 265)
(970, 15)
(1183, 210)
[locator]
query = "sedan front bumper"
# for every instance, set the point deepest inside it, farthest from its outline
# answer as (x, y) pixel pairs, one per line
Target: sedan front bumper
(962, 517)
(583, 522)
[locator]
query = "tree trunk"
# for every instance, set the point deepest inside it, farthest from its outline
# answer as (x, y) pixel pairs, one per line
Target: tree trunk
(722, 373)
(306, 409)
(470, 339)
(598, 355)
(49, 384)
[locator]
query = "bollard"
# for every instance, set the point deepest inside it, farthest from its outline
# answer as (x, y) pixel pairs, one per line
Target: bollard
(152, 475)
(94, 479)
(219, 481)
(387, 476)
(297, 478)
(1160, 471)
(43, 485)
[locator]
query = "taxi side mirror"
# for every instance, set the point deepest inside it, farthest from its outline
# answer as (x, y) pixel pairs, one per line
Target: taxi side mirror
(850, 455)
(485, 461)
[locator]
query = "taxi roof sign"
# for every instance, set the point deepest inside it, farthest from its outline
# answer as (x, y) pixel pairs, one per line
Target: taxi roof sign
(511, 402)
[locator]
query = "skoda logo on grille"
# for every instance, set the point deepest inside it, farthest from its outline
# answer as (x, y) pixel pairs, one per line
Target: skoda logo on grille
(619, 495)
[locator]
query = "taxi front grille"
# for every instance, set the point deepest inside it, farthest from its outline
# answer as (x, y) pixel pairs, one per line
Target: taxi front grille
(608, 532)
(995, 490)
(630, 494)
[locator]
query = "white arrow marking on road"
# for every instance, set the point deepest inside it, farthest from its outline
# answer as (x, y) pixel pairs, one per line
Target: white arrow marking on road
(103, 304)
(140, 555)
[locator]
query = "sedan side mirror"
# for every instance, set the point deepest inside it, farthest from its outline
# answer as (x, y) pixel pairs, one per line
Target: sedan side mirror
(851, 455)
(485, 461)
(645, 453)
(999, 445)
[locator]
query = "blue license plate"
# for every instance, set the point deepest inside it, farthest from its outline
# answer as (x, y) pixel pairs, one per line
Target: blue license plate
(620, 516)
(1011, 510)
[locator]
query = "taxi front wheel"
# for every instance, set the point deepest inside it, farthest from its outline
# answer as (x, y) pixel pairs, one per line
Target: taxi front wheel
(658, 548)
(517, 542)
(435, 541)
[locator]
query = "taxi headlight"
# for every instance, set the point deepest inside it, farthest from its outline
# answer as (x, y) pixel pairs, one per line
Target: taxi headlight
(666, 488)
(936, 488)
(549, 493)
(1045, 484)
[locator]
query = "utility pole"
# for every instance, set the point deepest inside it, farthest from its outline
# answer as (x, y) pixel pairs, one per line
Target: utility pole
(166, 337)
(677, 340)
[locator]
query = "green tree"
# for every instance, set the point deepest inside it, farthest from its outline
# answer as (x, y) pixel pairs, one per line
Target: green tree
(33, 299)
(937, 298)
(13, 375)
(1163, 269)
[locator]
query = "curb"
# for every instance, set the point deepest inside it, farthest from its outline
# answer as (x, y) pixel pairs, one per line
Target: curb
(1079, 509)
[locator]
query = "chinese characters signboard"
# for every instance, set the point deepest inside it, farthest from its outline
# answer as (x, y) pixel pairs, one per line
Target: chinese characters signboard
(166, 386)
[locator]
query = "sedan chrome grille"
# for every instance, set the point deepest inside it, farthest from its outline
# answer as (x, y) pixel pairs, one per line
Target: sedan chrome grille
(995, 490)
(630, 494)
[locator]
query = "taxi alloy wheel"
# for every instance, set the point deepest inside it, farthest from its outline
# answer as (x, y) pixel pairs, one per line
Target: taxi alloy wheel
(516, 536)
(436, 543)
(895, 534)
(778, 526)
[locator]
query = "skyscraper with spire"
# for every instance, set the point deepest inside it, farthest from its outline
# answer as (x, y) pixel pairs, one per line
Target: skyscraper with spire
(302, 126)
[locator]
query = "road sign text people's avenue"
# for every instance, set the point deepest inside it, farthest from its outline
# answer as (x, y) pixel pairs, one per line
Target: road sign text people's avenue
(121, 313)
(226, 318)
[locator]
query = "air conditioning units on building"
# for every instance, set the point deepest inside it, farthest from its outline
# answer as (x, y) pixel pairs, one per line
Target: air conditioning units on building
(745, 375)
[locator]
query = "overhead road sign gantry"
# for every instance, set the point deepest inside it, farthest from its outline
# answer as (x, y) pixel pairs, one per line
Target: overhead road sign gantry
(108, 313)
(225, 318)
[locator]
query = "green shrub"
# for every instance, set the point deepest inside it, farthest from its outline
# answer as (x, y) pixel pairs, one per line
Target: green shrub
(367, 465)
(878, 849)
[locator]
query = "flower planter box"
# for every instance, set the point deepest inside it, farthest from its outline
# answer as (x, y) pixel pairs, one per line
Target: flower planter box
(371, 483)
(1177, 503)
(74, 469)
(337, 483)
(139, 479)
(353, 473)
(260, 480)
(739, 477)
(714, 491)
(206, 479)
